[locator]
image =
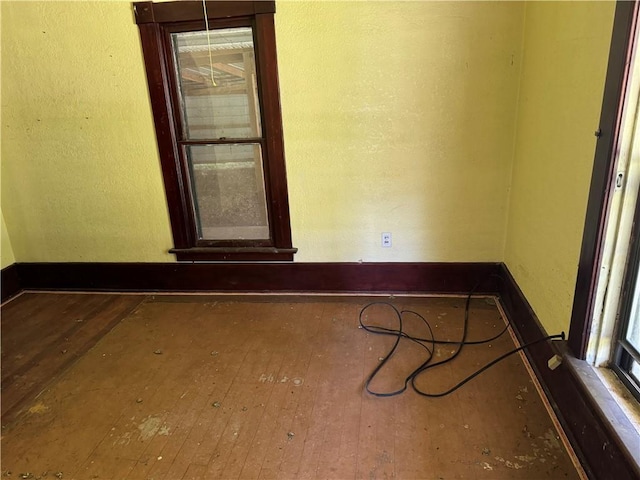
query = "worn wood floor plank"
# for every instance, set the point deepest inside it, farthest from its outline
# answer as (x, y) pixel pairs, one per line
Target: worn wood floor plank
(39, 347)
(218, 387)
(54, 323)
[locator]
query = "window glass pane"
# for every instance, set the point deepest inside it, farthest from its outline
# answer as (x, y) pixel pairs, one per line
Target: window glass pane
(217, 80)
(229, 191)
(633, 327)
(635, 372)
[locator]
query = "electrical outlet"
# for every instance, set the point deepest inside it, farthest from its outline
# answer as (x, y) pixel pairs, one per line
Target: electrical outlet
(386, 239)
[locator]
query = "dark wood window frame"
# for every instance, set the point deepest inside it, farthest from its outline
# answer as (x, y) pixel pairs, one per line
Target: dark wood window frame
(603, 174)
(155, 22)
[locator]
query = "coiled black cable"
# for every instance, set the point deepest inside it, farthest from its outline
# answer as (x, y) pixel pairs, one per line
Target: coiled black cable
(429, 344)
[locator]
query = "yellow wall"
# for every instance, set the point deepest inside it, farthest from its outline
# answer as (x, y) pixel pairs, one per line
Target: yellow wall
(565, 56)
(398, 116)
(80, 174)
(6, 252)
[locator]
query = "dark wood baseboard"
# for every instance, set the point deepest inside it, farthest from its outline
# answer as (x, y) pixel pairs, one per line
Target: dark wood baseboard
(261, 277)
(598, 450)
(10, 282)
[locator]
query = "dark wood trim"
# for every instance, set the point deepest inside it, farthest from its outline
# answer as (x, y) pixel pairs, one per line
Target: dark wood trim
(589, 433)
(10, 283)
(262, 277)
(157, 78)
(275, 168)
(156, 21)
(602, 177)
(237, 254)
(185, 11)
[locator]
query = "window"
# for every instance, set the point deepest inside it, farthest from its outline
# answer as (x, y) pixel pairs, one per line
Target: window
(605, 324)
(213, 84)
(626, 358)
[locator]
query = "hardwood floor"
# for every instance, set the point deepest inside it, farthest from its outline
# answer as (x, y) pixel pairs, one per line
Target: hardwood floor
(260, 387)
(42, 335)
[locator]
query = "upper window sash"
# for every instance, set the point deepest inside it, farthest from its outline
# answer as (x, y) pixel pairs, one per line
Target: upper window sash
(251, 87)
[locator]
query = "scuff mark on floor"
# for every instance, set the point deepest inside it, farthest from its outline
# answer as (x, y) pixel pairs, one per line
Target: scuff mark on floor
(486, 466)
(124, 439)
(550, 440)
(509, 464)
(381, 459)
(526, 458)
(266, 378)
(149, 427)
(38, 408)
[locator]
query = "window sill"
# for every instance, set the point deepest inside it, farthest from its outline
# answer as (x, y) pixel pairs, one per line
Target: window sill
(240, 254)
(621, 414)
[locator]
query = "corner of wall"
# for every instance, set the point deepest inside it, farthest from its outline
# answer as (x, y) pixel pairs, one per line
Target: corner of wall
(565, 54)
(6, 251)
(516, 113)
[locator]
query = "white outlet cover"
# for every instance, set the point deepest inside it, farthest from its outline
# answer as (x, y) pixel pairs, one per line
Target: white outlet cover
(386, 239)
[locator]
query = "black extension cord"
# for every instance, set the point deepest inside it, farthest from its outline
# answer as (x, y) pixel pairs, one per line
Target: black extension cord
(429, 344)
